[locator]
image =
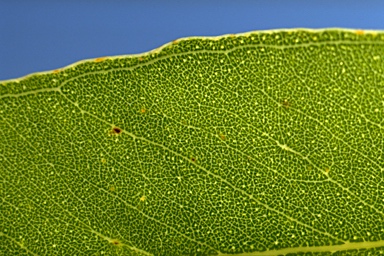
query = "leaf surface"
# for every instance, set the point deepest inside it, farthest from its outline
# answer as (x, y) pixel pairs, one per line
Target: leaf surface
(264, 143)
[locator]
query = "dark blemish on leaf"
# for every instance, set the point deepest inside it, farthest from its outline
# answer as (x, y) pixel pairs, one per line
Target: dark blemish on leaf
(141, 58)
(143, 111)
(116, 130)
(222, 136)
(193, 159)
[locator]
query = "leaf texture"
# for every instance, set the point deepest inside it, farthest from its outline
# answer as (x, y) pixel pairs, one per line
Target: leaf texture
(264, 143)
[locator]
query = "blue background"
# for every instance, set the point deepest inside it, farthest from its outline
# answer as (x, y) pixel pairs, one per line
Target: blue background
(44, 35)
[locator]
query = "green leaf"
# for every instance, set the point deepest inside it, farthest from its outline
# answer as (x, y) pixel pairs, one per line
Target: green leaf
(265, 143)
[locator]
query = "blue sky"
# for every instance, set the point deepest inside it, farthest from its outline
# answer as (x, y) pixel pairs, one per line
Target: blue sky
(44, 35)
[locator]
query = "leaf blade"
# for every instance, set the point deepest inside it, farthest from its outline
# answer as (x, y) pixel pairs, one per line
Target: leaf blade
(263, 141)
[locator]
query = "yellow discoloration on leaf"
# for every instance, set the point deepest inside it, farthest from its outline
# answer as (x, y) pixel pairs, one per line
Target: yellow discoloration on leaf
(100, 59)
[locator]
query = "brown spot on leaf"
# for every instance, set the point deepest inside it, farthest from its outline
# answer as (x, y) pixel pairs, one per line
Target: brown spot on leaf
(141, 58)
(222, 136)
(143, 111)
(286, 103)
(115, 242)
(116, 131)
(193, 159)
(56, 71)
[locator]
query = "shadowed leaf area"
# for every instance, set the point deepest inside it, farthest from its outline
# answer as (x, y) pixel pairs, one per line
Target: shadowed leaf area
(264, 143)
